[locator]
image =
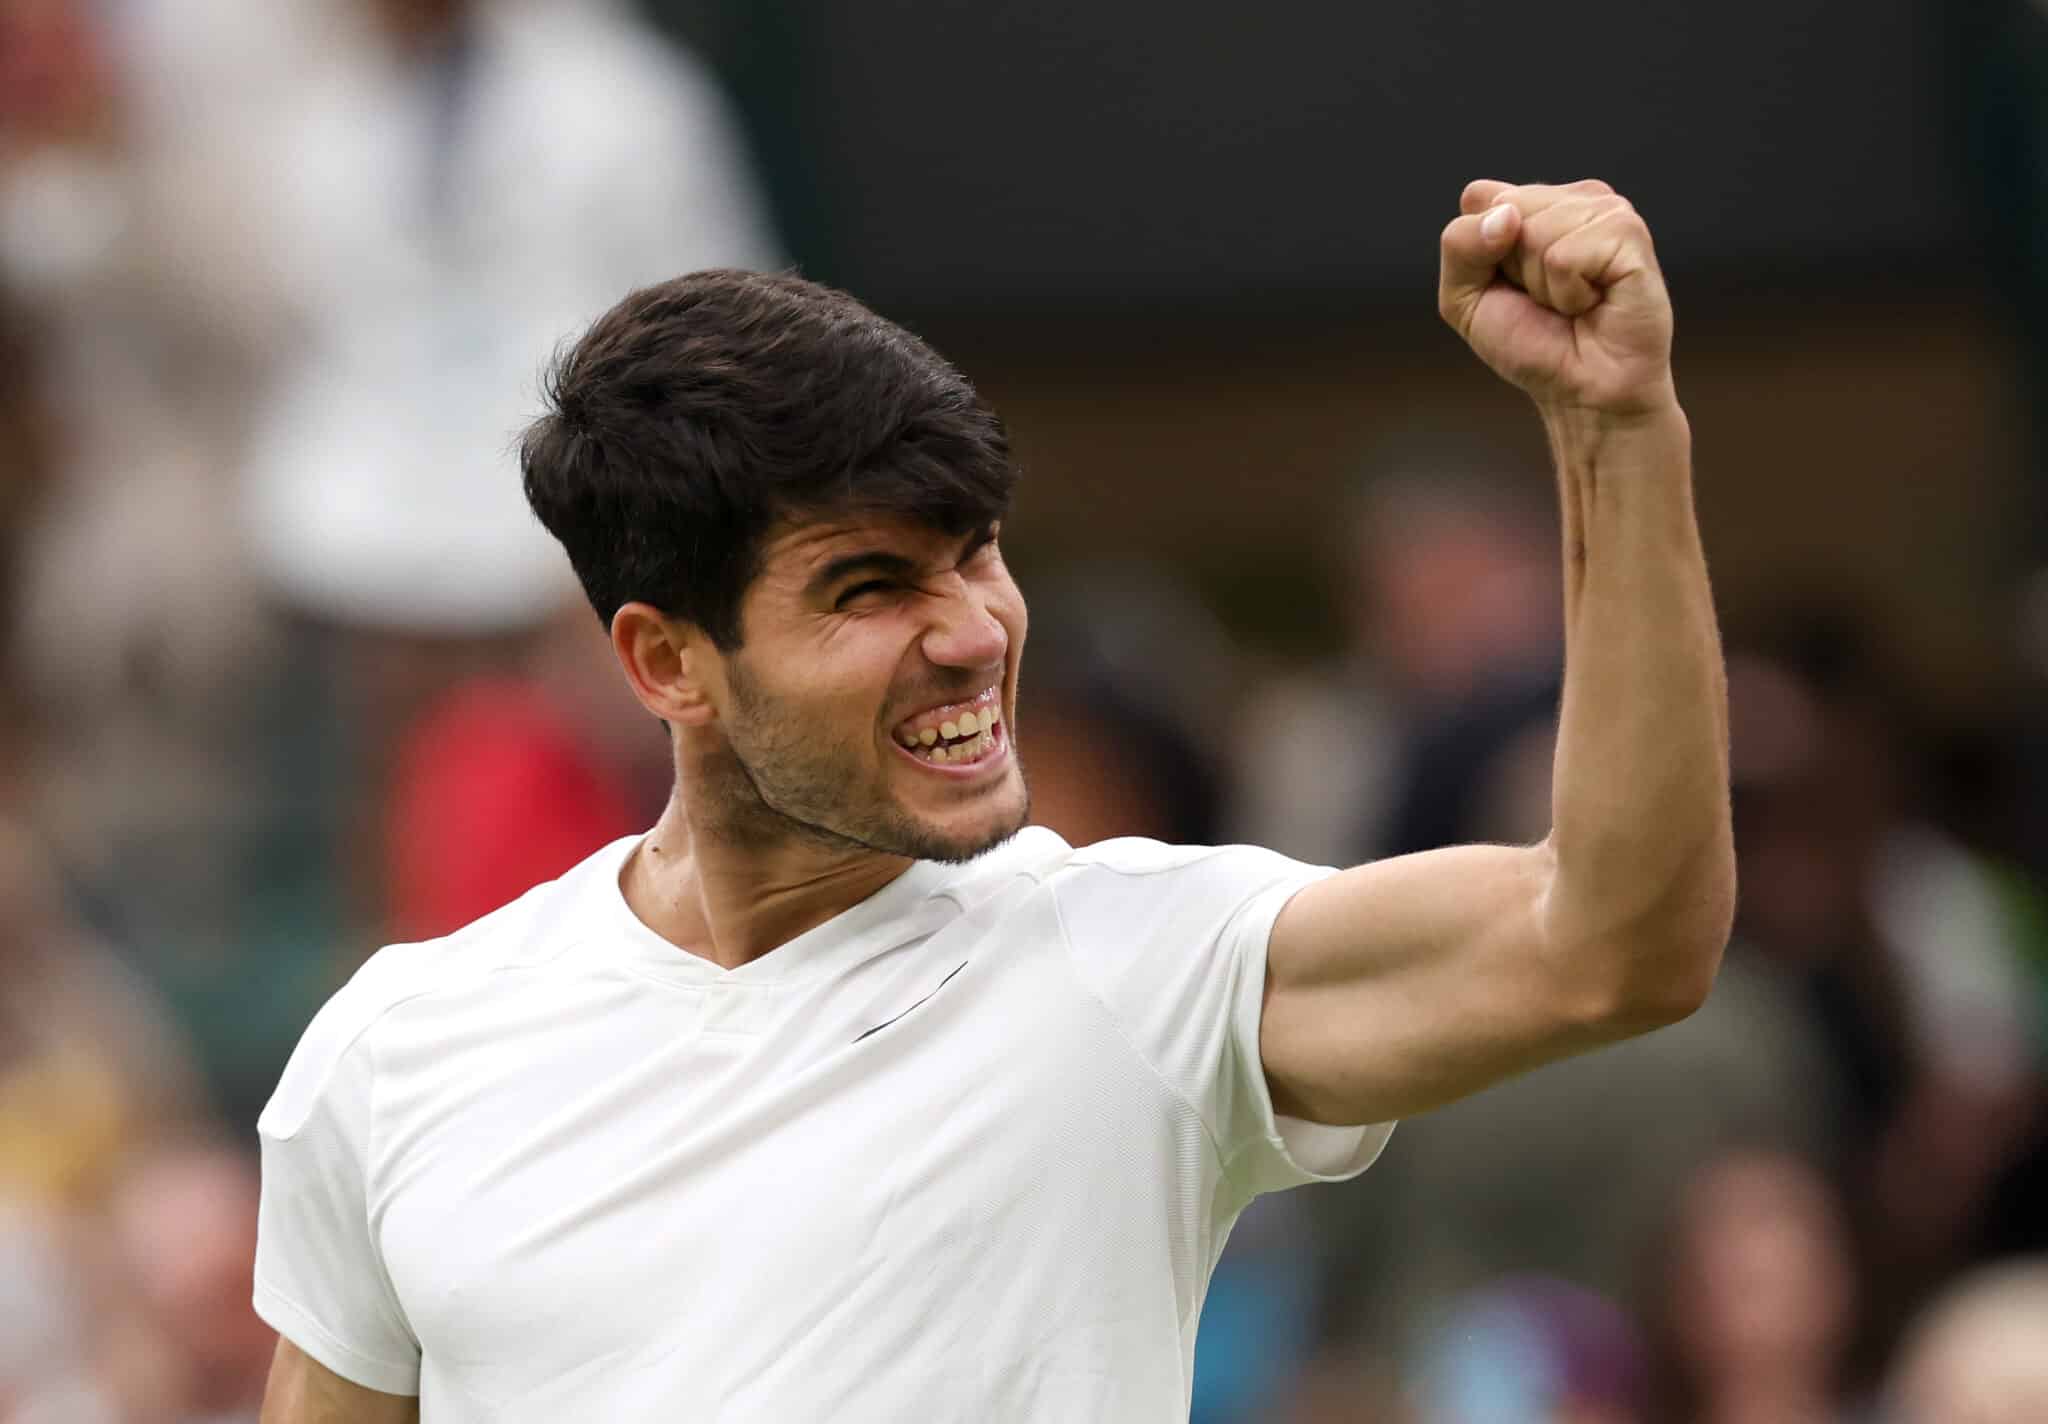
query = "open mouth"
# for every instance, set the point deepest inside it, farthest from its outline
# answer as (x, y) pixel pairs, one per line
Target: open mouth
(958, 734)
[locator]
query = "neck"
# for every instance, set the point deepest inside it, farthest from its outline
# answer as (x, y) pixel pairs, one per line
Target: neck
(732, 899)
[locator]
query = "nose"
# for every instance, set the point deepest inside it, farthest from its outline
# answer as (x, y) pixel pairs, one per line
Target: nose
(964, 632)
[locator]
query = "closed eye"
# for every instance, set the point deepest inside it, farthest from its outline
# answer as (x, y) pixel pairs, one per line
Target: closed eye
(859, 589)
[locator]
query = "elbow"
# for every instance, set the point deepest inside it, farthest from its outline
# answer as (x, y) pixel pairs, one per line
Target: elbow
(1661, 969)
(1679, 990)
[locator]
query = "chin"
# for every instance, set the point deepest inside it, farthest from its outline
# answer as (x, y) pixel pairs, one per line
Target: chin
(977, 830)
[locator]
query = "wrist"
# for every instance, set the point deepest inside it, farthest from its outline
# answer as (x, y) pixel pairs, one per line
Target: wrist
(1652, 412)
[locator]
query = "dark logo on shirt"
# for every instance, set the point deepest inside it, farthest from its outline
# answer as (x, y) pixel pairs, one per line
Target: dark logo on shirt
(925, 1000)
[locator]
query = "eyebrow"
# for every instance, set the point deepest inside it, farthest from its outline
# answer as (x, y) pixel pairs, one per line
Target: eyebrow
(882, 561)
(876, 561)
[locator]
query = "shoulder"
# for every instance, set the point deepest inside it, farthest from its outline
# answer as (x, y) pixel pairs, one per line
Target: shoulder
(1131, 864)
(1136, 865)
(1132, 889)
(536, 927)
(1026, 858)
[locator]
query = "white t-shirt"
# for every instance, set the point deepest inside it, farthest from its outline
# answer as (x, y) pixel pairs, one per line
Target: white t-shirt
(967, 1151)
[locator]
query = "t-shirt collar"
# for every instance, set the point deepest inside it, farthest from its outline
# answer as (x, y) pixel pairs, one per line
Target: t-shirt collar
(881, 921)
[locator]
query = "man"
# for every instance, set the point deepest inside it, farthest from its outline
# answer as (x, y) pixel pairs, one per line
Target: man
(837, 1095)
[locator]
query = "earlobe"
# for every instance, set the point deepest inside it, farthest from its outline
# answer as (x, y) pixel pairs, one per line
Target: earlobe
(664, 664)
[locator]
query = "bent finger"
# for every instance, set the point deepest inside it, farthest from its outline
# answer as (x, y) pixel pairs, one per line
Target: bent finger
(1526, 266)
(1534, 198)
(1471, 252)
(1480, 193)
(1580, 265)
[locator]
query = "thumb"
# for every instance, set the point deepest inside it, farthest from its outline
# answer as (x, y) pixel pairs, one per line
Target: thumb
(1473, 247)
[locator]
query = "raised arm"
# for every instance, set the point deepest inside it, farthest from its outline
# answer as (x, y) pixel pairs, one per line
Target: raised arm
(1403, 984)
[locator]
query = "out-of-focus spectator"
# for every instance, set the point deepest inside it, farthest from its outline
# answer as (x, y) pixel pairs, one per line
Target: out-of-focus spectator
(1979, 1354)
(1753, 1304)
(1897, 940)
(455, 193)
(509, 780)
(1450, 596)
(184, 1238)
(1125, 709)
(1819, 767)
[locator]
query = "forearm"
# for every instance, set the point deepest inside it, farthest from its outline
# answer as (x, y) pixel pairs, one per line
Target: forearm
(1644, 862)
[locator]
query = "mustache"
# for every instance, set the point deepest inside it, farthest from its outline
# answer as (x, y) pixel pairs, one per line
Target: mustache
(959, 690)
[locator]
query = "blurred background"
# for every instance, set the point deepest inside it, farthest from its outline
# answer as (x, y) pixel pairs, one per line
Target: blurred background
(290, 673)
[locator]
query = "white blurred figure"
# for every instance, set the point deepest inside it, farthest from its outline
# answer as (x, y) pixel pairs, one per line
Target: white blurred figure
(46, 1345)
(1979, 1355)
(461, 185)
(457, 187)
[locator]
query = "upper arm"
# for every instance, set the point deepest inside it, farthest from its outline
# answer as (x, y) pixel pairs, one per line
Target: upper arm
(304, 1391)
(321, 1277)
(1400, 985)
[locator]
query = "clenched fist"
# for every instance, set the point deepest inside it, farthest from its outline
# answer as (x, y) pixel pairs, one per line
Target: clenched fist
(1558, 290)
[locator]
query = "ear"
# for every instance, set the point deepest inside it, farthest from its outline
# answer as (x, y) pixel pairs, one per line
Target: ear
(670, 665)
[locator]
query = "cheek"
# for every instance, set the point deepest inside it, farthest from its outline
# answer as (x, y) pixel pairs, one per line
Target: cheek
(846, 676)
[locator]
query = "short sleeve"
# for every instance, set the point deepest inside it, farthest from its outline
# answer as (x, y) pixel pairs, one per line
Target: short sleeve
(1173, 940)
(320, 1280)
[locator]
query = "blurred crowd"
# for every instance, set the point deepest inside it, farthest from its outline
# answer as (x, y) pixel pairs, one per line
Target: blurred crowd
(290, 673)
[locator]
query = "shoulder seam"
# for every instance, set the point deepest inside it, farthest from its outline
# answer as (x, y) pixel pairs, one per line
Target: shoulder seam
(370, 1021)
(1036, 874)
(456, 977)
(1085, 857)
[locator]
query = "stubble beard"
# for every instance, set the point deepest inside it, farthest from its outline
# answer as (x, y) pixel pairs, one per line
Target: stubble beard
(779, 785)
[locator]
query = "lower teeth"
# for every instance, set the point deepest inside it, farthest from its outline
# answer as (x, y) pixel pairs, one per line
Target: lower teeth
(966, 750)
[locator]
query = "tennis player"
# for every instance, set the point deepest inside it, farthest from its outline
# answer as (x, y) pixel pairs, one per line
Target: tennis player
(841, 1094)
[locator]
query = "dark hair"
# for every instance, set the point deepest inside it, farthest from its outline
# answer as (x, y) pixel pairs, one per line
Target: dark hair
(697, 415)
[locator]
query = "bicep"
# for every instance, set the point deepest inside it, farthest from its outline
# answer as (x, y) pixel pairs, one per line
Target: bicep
(1400, 985)
(304, 1391)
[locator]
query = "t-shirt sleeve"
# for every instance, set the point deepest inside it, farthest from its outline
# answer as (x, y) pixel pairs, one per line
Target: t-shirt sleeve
(1173, 940)
(320, 1279)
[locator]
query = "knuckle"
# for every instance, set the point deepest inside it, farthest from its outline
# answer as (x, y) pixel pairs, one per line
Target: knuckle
(1592, 185)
